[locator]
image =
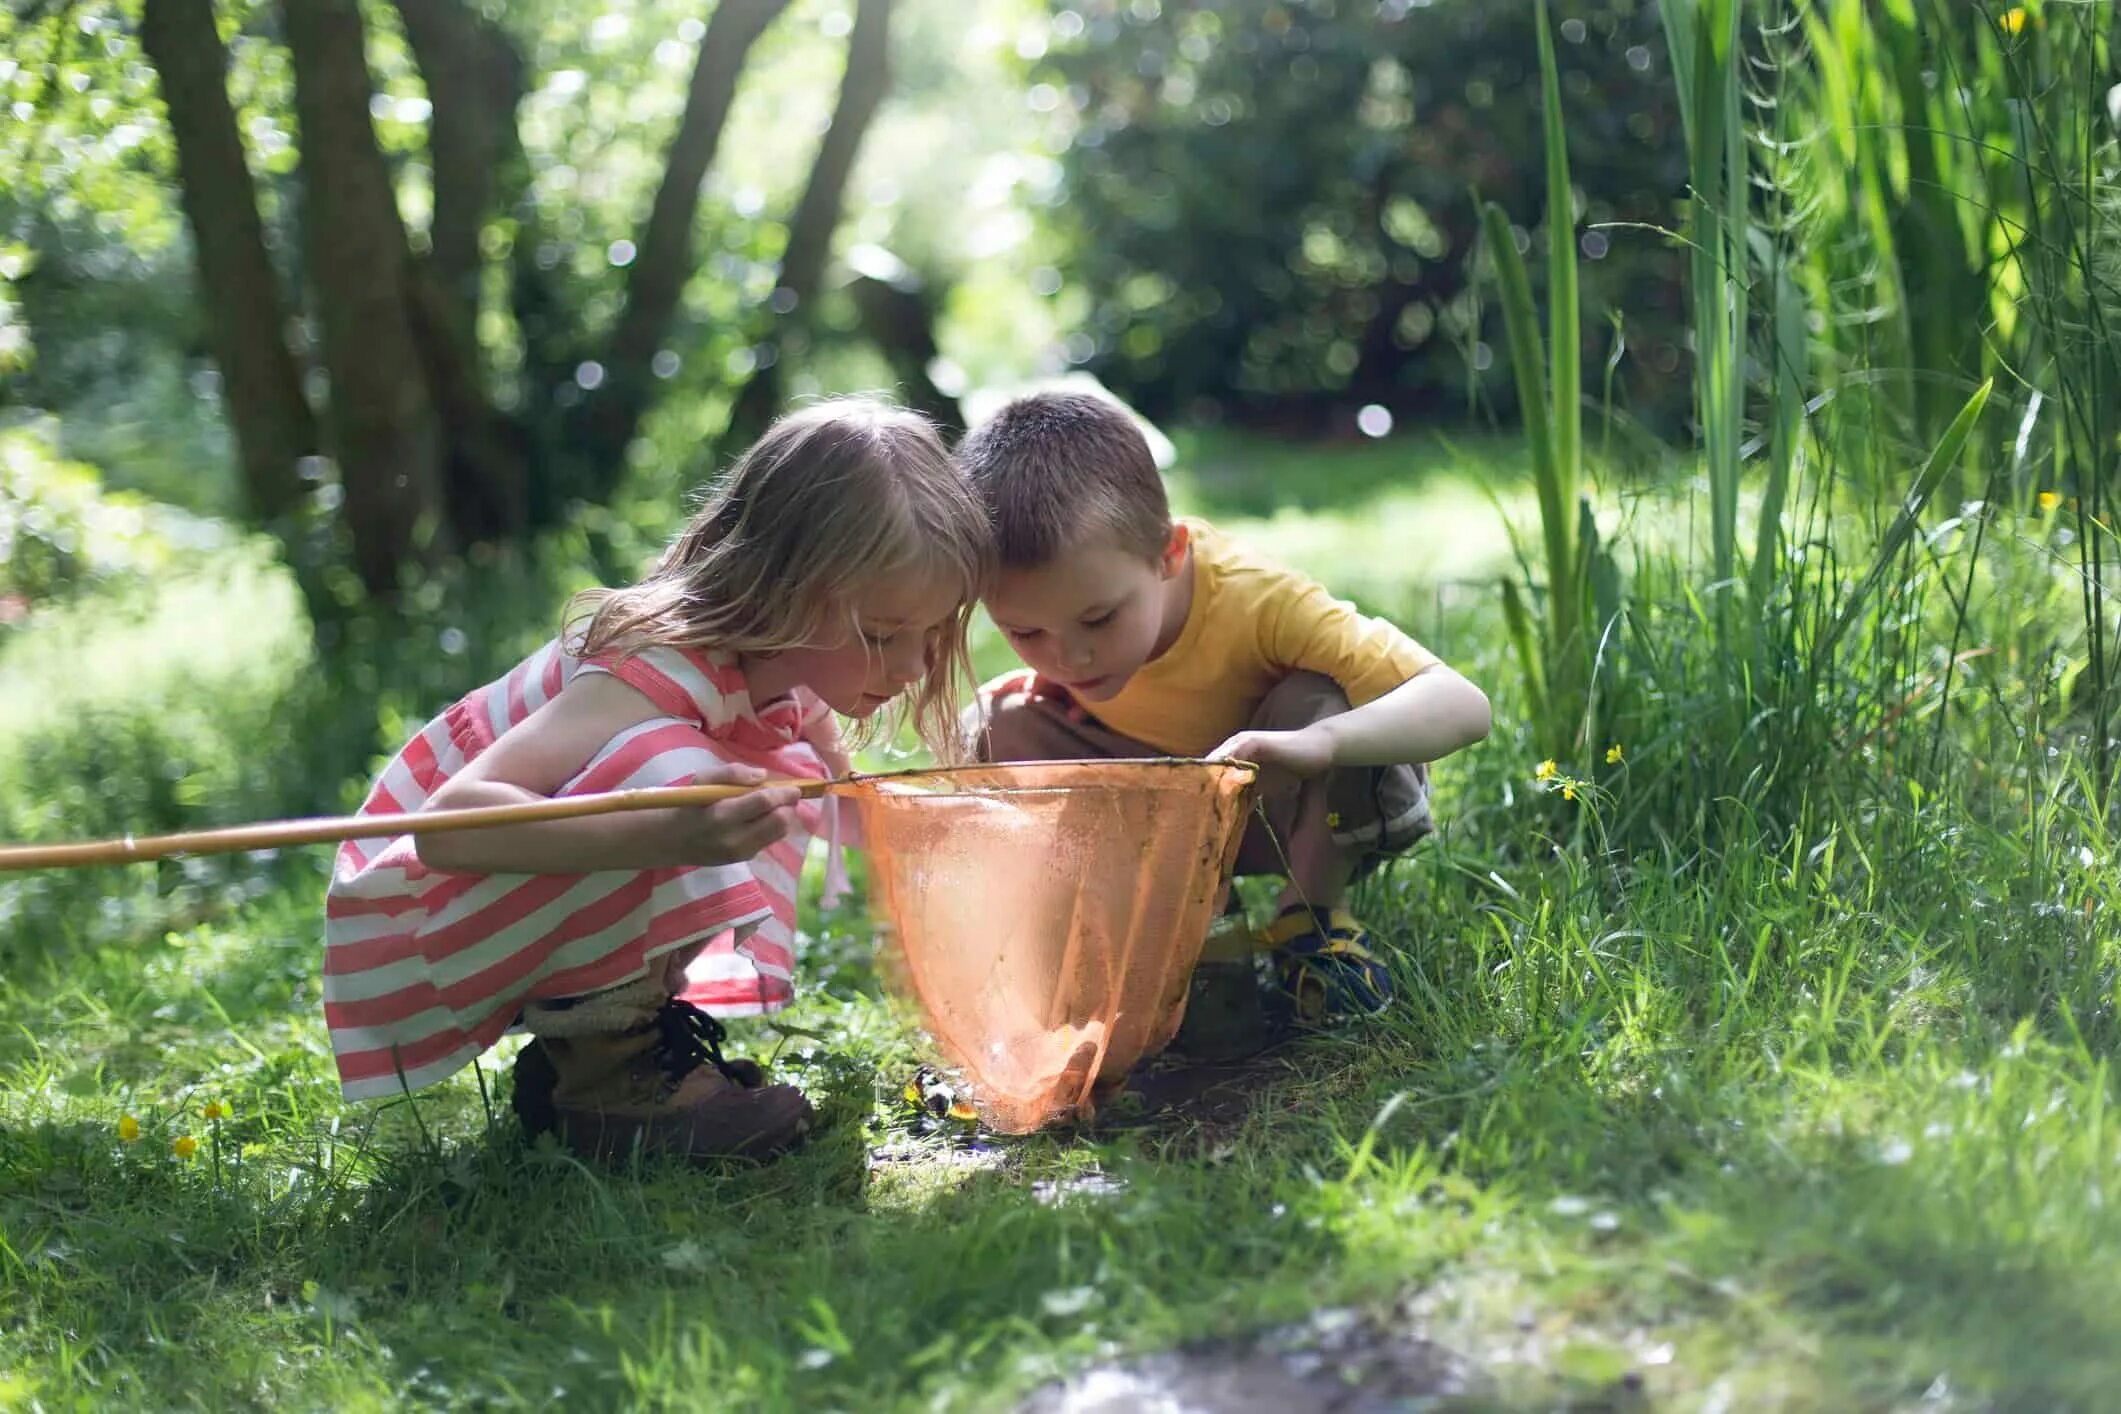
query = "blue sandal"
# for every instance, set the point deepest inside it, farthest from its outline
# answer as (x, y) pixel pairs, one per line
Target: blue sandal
(1323, 962)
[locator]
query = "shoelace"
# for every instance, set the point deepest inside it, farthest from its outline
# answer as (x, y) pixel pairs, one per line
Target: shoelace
(690, 1038)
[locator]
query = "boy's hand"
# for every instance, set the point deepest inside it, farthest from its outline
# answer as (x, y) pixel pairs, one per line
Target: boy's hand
(1303, 754)
(733, 831)
(1038, 688)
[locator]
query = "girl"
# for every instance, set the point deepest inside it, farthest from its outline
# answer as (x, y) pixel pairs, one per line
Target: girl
(833, 570)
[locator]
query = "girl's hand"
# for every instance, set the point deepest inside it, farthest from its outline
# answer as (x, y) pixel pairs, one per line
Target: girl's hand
(1302, 754)
(733, 831)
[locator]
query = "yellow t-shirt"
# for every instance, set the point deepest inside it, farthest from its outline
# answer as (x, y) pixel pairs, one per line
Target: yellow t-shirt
(1252, 624)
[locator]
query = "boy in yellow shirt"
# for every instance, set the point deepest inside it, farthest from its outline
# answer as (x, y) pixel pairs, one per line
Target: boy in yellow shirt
(1148, 636)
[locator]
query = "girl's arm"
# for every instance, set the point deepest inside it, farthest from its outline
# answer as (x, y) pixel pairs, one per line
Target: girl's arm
(538, 756)
(823, 734)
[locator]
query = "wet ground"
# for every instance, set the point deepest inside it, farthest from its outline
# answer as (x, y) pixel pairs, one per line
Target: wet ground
(1335, 1363)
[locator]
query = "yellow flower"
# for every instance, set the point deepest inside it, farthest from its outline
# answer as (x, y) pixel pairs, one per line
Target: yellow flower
(185, 1147)
(1545, 770)
(2049, 500)
(1568, 790)
(215, 1109)
(1614, 755)
(128, 1130)
(2014, 19)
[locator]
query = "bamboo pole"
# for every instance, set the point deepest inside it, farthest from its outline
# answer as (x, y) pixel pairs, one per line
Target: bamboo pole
(336, 829)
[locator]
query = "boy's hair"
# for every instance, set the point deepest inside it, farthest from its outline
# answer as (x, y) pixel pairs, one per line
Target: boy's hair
(1055, 468)
(832, 502)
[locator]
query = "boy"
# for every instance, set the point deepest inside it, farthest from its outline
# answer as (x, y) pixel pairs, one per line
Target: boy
(1153, 637)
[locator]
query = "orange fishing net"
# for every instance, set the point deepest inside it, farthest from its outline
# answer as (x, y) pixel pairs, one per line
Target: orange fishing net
(1044, 918)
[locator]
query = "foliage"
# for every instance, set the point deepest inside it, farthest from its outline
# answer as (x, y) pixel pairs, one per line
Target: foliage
(1273, 200)
(59, 529)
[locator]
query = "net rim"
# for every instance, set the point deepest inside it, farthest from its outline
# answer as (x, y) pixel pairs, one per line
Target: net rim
(1050, 765)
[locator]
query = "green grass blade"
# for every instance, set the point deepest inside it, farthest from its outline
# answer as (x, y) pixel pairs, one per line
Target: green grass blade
(1521, 327)
(1564, 332)
(1679, 26)
(1726, 458)
(1517, 621)
(1943, 457)
(1703, 35)
(1790, 350)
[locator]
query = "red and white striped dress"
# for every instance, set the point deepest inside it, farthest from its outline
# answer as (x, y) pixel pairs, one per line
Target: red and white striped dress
(423, 970)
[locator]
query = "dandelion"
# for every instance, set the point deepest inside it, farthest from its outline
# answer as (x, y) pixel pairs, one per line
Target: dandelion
(128, 1130)
(215, 1109)
(2049, 500)
(1568, 790)
(2014, 20)
(185, 1146)
(1614, 755)
(1545, 770)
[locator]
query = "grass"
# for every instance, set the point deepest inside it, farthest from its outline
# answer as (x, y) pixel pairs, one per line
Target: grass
(1804, 1122)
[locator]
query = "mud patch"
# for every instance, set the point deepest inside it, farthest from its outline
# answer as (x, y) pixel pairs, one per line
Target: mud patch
(1176, 1093)
(1337, 1362)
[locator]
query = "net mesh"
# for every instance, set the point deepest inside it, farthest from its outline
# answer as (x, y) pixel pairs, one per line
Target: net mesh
(1044, 918)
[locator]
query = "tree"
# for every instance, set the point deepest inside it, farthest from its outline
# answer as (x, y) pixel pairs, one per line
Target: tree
(380, 414)
(474, 81)
(817, 215)
(665, 262)
(426, 457)
(247, 323)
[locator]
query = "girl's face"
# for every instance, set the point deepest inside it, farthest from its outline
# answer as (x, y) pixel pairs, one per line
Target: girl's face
(857, 667)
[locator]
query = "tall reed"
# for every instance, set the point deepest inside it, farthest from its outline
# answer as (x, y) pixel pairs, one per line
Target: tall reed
(1554, 647)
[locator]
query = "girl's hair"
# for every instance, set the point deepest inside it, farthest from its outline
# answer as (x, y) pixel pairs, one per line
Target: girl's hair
(832, 502)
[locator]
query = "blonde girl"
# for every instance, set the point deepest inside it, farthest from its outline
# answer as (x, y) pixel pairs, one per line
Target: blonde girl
(831, 572)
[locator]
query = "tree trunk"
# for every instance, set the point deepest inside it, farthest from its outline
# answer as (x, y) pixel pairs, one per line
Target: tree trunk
(382, 416)
(664, 261)
(817, 215)
(474, 79)
(898, 315)
(484, 463)
(239, 291)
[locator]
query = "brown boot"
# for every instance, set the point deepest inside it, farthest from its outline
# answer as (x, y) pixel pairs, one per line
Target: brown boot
(662, 1088)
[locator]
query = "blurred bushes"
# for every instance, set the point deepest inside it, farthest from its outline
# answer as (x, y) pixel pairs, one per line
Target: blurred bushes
(200, 698)
(1273, 202)
(60, 529)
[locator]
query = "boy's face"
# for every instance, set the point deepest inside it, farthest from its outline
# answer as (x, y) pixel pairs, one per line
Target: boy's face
(1090, 617)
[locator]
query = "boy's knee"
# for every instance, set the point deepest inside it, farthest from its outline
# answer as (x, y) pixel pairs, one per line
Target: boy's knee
(1008, 722)
(1369, 811)
(1298, 701)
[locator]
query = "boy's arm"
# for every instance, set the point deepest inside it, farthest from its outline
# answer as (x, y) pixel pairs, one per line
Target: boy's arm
(1414, 708)
(1425, 718)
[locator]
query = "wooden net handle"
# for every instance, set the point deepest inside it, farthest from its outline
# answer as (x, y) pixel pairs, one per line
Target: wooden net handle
(336, 829)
